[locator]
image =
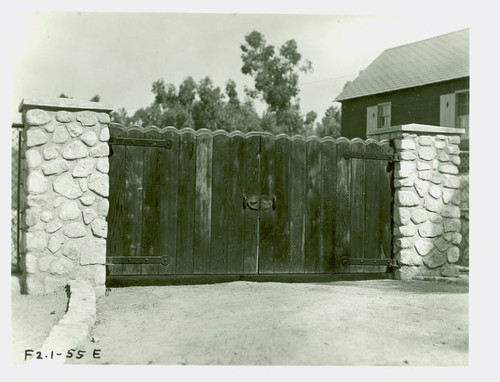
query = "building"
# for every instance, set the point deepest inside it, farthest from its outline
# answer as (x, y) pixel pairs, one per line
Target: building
(425, 82)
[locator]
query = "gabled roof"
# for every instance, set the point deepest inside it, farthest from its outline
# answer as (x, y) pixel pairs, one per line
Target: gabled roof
(436, 59)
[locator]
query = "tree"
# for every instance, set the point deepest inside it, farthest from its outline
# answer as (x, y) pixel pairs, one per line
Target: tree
(276, 77)
(330, 123)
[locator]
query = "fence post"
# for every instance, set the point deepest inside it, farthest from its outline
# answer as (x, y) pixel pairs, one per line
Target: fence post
(426, 199)
(66, 143)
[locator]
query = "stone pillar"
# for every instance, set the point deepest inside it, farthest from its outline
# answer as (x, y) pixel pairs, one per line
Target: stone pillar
(67, 153)
(426, 201)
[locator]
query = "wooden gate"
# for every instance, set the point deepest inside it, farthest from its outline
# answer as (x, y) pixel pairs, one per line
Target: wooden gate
(185, 202)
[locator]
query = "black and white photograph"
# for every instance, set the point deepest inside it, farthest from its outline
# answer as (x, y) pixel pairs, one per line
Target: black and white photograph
(239, 188)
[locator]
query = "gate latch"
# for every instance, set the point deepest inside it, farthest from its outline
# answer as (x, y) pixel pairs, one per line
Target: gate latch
(259, 202)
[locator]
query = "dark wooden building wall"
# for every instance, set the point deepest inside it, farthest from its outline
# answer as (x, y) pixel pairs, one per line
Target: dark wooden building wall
(414, 105)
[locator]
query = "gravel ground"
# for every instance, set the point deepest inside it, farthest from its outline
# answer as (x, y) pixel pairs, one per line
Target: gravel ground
(382, 322)
(32, 319)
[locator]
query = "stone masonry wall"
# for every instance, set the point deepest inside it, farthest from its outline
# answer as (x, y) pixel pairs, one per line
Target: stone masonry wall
(67, 190)
(427, 205)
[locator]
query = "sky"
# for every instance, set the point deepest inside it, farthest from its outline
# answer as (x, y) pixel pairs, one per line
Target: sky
(118, 55)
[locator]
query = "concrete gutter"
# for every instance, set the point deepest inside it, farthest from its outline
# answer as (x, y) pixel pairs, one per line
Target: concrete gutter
(75, 326)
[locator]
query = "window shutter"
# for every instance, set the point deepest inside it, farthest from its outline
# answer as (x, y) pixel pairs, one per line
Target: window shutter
(447, 110)
(371, 118)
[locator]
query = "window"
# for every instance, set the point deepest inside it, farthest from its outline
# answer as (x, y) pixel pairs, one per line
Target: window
(462, 121)
(384, 115)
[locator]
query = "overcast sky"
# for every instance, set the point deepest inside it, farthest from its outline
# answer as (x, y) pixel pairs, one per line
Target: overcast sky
(119, 55)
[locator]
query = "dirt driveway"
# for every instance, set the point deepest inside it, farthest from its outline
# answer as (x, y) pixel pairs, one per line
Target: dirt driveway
(383, 322)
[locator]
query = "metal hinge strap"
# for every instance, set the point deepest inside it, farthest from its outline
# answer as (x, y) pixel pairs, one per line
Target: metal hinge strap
(373, 156)
(164, 143)
(363, 261)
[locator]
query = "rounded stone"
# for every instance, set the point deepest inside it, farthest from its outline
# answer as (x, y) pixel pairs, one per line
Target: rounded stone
(55, 243)
(103, 118)
(75, 230)
(89, 138)
(452, 225)
(455, 159)
(36, 138)
(422, 166)
(49, 128)
(36, 241)
(71, 250)
(36, 200)
(427, 153)
(409, 257)
(405, 230)
(425, 140)
(443, 157)
(37, 183)
(55, 167)
(100, 227)
(104, 135)
(454, 139)
(64, 116)
(84, 184)
(86, 118)
(436, 178)
(421, 186)
(94, 252)
(100, 275)
(60, 135)
(101, 150)
(405, 242)
(435, 259)
(435, 191)
(44, 263)
(453, 237)
(46, 216)
(408, 155)
(103, 165)
(451, 181)
(452, 149)
(37, 117)
(51, 153)
(74, 129)
(441, 244)
(53, 226)
(405, 198)
(89, 215)
(424, 246)
(103, 208)
(405, 144)
(33, 158)
(84, 168)
(451, 212)
(65, 186)
(402, 215)
(31, 218)
(439, 144)
(419, 215)
(61, 266)
(433, 205)
(75, 150)
(99, 183)
(69, 210)
(87, 200)
(430, 229)
(448, 169)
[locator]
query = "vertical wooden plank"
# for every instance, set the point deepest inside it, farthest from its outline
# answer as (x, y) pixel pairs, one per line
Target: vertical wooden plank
(266, 216)
(314, 252)
(220, 192)
(151, 200)
(297, 203)
(186, 201)
(357, 204)
(203, 201)
(282, 209)
(328, 195)
(343, 206)
(117, 213)
(235, 217)
(385, 224)
(372, 206)
(133, 201)
(168, 183)
(251, 217)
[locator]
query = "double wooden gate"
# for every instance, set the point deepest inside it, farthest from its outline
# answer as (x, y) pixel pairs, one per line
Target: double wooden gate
(185, 202)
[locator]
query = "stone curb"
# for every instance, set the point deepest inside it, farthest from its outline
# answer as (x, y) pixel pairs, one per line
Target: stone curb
(75, 325)
(462, 280)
